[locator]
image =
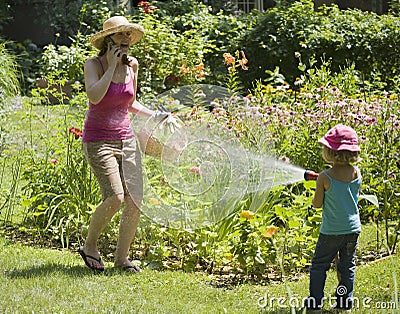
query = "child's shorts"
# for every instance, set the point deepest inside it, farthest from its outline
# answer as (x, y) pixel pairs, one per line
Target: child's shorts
(117, 166)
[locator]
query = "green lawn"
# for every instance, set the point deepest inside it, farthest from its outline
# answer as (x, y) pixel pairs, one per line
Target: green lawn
(51, 281)
(38, 280)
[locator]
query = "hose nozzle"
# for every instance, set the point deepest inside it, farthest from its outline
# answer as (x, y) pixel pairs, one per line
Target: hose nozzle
(310, 175)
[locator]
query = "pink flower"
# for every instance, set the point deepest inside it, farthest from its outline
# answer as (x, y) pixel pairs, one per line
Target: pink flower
(77, 132)
(54, 161)
(195, 170)
(146, 7)
(371, 120)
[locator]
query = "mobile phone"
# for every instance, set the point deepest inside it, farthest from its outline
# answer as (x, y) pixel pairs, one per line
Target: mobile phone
(108, 41)
(125, 59)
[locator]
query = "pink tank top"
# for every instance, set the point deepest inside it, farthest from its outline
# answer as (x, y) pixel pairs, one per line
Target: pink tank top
(109, 120)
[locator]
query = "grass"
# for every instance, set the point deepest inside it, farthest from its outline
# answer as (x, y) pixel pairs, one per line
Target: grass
(56, 281)
(45, 280)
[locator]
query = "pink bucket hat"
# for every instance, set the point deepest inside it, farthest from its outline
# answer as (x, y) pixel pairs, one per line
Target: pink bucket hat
(341, 137)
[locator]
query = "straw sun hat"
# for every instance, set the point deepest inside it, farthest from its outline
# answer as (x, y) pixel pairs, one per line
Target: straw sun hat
(114, 25)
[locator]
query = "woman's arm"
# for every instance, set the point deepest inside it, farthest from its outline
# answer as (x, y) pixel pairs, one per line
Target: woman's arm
(134, 64)
(96, 82)
(136, 107)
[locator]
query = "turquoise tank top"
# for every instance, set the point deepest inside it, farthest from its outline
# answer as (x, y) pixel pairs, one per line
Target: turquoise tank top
(340, 207)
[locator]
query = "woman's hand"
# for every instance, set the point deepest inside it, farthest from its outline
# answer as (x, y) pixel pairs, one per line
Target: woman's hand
(97, 81)
(114, 54)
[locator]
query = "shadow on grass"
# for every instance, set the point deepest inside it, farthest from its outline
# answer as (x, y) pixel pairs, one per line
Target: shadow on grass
(52, 269)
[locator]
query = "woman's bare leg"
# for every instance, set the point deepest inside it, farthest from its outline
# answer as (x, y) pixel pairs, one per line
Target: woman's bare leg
(101, 217)
(127, 230)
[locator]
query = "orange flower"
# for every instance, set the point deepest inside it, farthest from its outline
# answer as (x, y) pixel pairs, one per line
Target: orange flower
(247, 214)
(228, 58)
(271, 230)
(199, 67)
(244, 61)
(185, 69)
(200, 74)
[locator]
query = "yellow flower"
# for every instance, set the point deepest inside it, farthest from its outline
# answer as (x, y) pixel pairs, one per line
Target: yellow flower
(154, 201)
(229, 256)
(271, 230)
(247, 214)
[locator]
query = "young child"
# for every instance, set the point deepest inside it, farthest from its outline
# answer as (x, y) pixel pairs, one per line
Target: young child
(337, 193)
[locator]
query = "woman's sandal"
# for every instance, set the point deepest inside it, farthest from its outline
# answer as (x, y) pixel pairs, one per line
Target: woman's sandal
(130, 268)
(98, 266)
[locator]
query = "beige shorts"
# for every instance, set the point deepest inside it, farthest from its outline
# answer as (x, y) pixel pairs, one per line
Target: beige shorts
(117, 166)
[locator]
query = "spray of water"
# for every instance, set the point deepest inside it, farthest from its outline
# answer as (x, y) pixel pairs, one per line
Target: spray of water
(206, 171)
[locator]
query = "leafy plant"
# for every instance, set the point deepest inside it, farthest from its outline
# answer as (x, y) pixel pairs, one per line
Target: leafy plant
(60, 192)
(298, 95)
(9, 84)
(67, 61)
(9, 90)
(27, 56)
(168, 57)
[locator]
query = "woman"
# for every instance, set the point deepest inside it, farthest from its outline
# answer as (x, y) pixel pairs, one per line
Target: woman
(108, 140)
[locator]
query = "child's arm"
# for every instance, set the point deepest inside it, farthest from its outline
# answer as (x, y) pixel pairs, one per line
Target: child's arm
(319, 195)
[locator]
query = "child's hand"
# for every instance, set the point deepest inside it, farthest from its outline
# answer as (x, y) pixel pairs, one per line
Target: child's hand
(310, 175)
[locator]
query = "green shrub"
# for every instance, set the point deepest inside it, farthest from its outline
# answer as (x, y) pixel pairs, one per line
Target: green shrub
(341, 36)
(168, 57)
(190, 32)
(67, 60)
(221, 31)
(27, 55)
